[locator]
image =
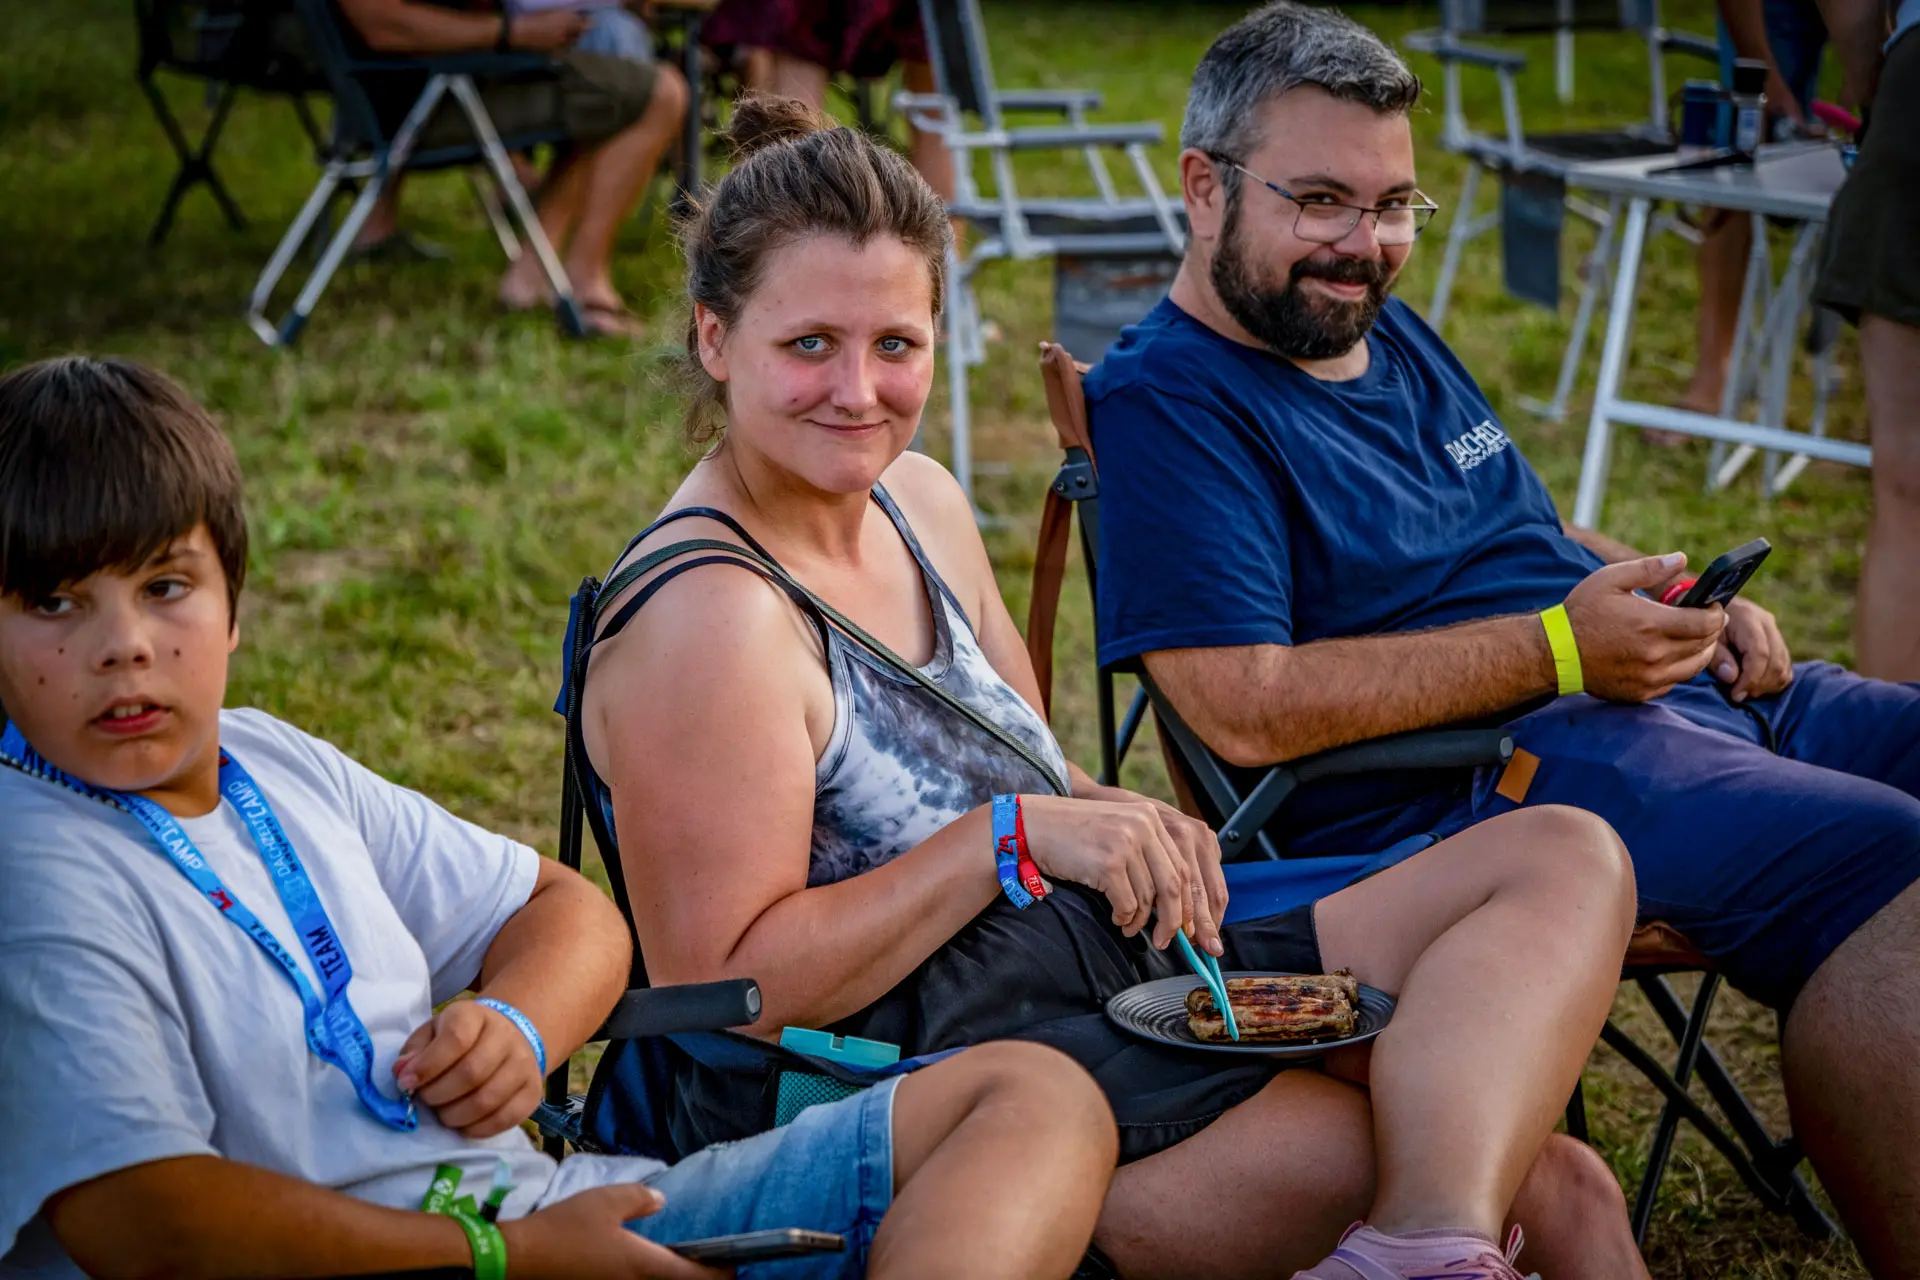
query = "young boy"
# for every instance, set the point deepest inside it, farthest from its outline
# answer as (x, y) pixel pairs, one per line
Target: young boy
(270, 1094)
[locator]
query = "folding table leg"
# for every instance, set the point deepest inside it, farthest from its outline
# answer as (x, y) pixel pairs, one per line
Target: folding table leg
(196, 166)
(1458, 233)
(1613, 364)
(1592, 289)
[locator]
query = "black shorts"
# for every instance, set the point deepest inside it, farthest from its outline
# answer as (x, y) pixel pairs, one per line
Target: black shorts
(1043, 974)
(1871, 260)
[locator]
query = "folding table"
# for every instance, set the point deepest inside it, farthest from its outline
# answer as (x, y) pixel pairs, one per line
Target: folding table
(1794, 181)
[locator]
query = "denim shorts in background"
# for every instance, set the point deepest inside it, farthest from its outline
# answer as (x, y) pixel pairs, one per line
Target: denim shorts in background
(616, 33)
(830, 1170)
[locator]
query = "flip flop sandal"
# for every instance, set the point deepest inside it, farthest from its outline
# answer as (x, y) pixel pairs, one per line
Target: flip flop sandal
(610, 320)
(401, 246)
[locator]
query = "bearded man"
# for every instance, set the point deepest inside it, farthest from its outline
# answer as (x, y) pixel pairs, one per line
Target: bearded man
(1315, 531)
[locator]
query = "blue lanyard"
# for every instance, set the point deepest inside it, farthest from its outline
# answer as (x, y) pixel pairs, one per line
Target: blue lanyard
(334, 1031)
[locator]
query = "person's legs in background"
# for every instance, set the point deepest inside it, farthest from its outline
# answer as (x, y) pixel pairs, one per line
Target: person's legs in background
(1886, 623)
(589, 193)
(1870, 274)
(1794, 39)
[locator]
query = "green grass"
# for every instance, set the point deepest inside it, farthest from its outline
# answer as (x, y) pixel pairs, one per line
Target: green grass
(429, 477)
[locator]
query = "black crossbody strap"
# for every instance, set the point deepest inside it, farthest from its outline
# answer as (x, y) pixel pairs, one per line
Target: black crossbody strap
(846, 626)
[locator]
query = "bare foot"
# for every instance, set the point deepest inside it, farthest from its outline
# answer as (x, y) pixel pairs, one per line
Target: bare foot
(524, 290)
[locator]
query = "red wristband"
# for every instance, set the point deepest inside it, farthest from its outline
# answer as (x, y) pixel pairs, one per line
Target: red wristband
(1029, 871)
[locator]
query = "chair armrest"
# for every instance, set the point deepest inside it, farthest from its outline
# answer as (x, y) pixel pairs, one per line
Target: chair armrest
(1448, 49)
(696, 1006)
(1061, 137)
(1062, 100)
(1687, 42)
(460, 64)
(1426, 749)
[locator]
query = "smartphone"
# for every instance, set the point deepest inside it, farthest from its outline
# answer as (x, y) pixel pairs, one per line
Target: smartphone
(760, 1246)
(1724, 577)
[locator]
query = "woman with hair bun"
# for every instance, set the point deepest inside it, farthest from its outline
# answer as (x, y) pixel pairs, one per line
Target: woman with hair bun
(793, 807)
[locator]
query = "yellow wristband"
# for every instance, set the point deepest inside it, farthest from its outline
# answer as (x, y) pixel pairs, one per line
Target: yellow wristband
(1566, 654)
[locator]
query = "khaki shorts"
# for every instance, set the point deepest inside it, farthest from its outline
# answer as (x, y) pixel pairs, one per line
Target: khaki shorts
(592, 98)
(1871, 260)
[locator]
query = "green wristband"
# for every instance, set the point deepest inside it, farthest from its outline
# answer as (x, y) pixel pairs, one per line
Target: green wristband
(488, 1245)
(1566, 653)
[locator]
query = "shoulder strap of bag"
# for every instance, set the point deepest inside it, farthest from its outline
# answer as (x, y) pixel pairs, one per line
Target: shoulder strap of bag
(1067, 406)
(847, 627)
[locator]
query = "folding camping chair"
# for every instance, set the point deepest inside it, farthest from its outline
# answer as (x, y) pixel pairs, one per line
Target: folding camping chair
(229, 45)
(1532, 166)
(1004, 223)
(1244, 815)
(366, 149)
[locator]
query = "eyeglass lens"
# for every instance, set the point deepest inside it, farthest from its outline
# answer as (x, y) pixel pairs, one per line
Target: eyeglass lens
(1328, 223)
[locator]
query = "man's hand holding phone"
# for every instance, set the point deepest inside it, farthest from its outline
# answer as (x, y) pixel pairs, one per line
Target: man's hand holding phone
(1633, 649)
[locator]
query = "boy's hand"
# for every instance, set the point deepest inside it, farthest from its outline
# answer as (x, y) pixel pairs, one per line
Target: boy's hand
(473, 1067)
(584, 1238)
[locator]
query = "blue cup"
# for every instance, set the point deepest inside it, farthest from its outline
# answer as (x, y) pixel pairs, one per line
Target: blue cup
(1702, 122)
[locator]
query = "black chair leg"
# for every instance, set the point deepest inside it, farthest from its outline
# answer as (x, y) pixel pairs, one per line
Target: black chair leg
(1577, 1114)
(196, 166)
(1670, 1116)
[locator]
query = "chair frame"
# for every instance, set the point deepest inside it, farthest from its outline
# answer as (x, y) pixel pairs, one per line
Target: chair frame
(1509, 152)
(1013, 227)
(364, 153)
(152, 19)
(1768, 1165)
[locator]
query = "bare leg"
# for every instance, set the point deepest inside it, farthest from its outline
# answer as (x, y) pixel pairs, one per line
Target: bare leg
(1724, 244)
(1848, 1053)
(1887, 609)
(1001, 1156)
(1504, 944)
(791, 77)
(618, 170)
(1268, 1188)
(384, 219)
(930, 155)
(1504, 947)
(525, 285)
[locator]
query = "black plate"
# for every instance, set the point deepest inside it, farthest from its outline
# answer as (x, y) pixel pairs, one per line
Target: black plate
(1158, 1011)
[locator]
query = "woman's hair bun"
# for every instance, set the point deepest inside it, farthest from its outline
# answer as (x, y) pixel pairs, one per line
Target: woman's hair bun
(762, 119)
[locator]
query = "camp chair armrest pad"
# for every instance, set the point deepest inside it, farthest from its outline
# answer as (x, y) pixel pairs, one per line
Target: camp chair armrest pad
(1448, 49)
(1062, 100)
(1687, 42)
(696, 1006)
(1431, 749)
(1058, 137)
(460, 64)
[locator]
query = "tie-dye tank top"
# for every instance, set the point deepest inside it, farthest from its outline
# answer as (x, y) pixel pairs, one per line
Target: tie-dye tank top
(899, 764)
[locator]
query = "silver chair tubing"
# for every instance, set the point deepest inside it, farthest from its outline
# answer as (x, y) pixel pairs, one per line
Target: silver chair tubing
(1594, 288)
(376, 172)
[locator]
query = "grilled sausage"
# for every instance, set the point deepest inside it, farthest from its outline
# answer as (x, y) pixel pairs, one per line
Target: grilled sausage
(1279, 1009)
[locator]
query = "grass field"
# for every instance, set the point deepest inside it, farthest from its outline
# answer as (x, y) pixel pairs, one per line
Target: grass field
(430, 477)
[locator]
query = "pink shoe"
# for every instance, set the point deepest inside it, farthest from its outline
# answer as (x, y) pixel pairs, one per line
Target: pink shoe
(1365, 1254)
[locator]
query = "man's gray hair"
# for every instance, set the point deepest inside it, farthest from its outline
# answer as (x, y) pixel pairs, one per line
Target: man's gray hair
(1280, 47)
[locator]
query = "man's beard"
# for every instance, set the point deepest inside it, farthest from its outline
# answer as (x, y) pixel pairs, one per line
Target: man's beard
(1294, 323)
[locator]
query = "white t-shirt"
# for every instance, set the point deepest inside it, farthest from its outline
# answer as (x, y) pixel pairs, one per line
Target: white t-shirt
(137, 1024)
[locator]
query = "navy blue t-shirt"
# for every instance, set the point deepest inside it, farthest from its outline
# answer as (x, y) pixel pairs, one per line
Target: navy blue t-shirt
(1243, 501)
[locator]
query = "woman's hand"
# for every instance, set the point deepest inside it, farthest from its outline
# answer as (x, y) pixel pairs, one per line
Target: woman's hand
(1145, 857)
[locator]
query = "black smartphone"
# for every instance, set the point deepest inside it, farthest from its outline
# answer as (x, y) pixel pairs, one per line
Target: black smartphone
(760, 1246)
(1724, 577)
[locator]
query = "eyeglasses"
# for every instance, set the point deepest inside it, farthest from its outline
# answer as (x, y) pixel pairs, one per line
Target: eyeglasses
(1329, 222)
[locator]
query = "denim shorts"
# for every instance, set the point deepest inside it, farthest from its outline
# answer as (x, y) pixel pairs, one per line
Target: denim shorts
(830, 1170)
